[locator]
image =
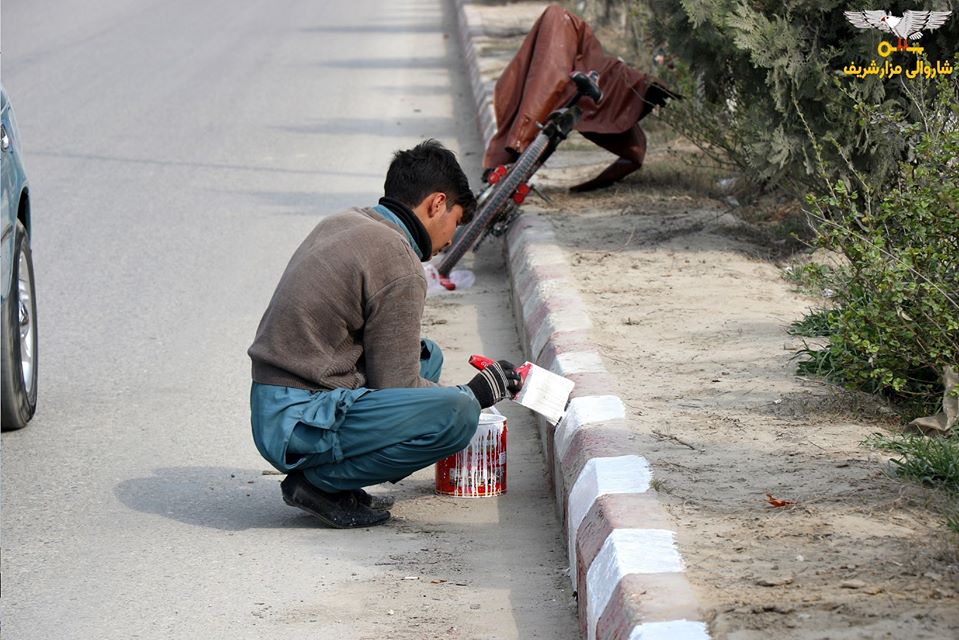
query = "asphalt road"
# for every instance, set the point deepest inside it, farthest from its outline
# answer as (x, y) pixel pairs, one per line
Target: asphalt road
(178, 152)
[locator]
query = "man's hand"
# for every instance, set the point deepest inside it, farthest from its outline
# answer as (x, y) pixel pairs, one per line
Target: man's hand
(496, 382)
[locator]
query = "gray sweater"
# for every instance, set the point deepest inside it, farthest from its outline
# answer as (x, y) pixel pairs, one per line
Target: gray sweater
(347, 310)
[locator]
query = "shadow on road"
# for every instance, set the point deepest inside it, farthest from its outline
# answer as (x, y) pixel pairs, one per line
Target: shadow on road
(231, 499)
(222, 498)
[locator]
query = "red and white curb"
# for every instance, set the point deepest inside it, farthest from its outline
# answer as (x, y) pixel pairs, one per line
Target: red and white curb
(624, 563)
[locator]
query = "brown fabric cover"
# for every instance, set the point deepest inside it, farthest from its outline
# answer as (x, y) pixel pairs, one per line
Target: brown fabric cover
(536, 81)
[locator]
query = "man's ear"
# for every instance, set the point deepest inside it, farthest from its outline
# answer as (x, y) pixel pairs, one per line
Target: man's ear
(437, 203)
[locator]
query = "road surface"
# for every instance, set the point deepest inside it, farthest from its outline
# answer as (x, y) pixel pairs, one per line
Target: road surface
(178, 152)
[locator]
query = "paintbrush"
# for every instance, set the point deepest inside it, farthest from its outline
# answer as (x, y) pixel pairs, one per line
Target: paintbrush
(543, 391)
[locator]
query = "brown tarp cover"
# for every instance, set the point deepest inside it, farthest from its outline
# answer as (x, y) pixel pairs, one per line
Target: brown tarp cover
(949, 416)
(537, 81)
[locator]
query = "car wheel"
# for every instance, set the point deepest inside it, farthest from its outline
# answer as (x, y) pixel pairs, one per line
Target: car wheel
(19, 343)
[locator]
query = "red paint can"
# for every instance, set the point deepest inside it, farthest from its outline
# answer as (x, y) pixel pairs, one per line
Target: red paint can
(479, 470)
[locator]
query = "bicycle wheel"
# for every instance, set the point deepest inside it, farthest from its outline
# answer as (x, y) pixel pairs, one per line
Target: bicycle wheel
(522, 169)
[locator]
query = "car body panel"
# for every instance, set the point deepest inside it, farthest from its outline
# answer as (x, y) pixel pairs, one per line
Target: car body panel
(14, 188)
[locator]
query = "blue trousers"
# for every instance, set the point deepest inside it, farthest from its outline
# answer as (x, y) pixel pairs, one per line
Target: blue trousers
(351, 438)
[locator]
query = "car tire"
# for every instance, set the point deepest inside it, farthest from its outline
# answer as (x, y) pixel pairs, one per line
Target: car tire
(18, 388)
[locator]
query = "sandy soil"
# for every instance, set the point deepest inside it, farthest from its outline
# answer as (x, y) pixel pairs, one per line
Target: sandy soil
(692, 322)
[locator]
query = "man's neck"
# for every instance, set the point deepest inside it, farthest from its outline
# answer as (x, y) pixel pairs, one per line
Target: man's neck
(419, 237)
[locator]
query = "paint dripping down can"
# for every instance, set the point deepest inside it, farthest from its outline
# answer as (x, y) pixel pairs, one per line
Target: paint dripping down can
(479, 470)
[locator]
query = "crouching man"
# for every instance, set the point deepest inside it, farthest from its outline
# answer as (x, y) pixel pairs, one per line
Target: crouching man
(345, 391)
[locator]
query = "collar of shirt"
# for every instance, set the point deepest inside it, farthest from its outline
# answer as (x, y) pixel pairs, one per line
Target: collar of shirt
(395, 219)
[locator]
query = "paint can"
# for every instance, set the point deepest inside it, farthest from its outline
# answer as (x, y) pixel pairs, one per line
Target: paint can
(479, 470)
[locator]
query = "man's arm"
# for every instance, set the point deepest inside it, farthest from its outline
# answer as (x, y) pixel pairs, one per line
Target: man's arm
(391, 336)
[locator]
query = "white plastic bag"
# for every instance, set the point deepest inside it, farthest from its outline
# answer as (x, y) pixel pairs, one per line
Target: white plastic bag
(460, 279)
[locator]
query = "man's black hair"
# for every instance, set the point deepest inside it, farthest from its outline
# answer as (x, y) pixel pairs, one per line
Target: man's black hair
(427, 168)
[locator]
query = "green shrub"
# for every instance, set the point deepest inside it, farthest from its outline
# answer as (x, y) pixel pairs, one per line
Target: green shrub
(933, 462)
(816, 323)
(753, 71)
(895, 324)
(811, 278)
(765, 92)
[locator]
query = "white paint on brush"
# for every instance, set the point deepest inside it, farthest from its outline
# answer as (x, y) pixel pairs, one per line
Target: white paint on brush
(545, 393)
(627, 551)
(578, 362)
(602, 476)
(585, 410)
(670, 630)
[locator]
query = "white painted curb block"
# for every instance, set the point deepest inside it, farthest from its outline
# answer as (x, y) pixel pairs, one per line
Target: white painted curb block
(599, 477)
(582, 411)
(672, 630)
(573, 362)
(627, 551)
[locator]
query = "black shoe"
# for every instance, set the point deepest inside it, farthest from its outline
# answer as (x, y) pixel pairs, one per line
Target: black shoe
(380, 503)
(339, 510)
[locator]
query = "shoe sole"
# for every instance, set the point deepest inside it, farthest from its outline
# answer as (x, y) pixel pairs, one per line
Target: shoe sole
(331, 523)
(381, 506)
(379, 503)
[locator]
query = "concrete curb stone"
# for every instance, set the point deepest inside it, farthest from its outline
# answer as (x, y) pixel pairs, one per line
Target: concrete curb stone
(624, 563)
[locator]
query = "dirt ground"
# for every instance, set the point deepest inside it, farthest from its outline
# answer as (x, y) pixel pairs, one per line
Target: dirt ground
(690, 317)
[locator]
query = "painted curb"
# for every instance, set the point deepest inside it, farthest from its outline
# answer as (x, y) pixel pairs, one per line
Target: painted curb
(624, 563)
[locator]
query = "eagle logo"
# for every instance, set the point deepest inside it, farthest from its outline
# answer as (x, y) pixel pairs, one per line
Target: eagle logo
(908, 26)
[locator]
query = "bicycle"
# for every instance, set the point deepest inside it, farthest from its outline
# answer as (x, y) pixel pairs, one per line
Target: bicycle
(508, 186)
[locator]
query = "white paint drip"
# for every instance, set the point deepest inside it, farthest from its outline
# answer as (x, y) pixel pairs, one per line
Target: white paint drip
(585, 410)
(670, 630)
(578, 362)
(479, 470)
(601, 476)
(627, 551)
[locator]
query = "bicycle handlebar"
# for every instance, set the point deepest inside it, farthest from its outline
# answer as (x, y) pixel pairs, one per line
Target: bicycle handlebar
(587, 85)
